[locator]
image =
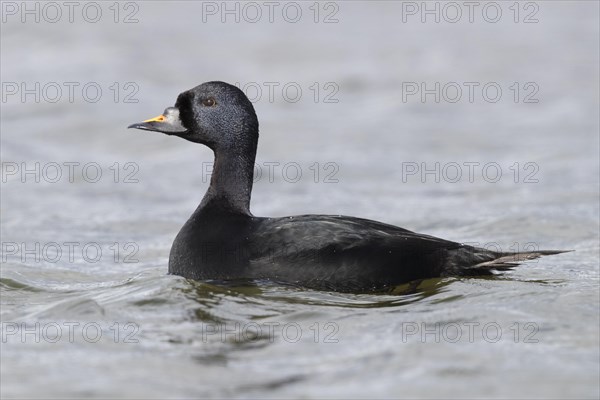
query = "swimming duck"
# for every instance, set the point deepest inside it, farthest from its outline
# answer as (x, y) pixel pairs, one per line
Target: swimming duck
(222, 240)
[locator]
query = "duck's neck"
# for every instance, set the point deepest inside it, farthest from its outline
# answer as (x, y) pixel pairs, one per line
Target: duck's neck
(231, 181)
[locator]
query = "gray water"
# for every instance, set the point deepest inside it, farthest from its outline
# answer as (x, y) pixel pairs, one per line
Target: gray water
(81, 323)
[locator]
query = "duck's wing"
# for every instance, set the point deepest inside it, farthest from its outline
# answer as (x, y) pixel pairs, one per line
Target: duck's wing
(361, 253)
(338, 250)
(343, 232)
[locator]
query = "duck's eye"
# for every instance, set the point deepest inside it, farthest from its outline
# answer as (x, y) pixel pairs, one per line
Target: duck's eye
(208, 102)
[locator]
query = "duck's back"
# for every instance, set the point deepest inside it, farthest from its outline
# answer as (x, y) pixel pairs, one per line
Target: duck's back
(344, 253)
(319, 251)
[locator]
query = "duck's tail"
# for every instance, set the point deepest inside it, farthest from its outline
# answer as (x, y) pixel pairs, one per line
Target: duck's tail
(474, 261)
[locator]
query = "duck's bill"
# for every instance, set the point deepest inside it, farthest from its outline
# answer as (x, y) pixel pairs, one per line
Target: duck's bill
(168, 123)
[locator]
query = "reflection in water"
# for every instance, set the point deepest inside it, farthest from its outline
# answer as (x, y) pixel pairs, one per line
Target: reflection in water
(265, 293)
(228, 317)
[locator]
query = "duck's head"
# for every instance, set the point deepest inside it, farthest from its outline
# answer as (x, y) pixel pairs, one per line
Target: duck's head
(216, 114)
